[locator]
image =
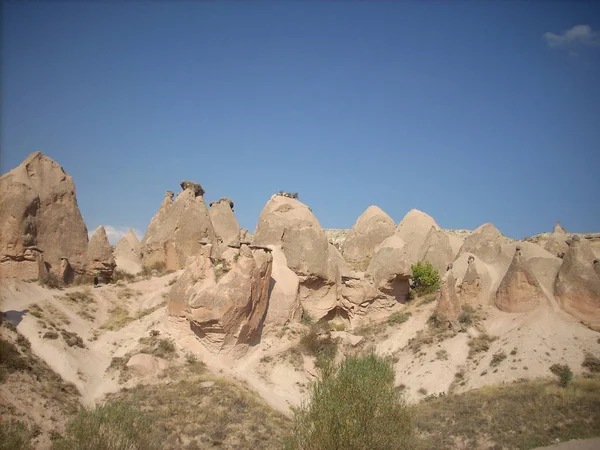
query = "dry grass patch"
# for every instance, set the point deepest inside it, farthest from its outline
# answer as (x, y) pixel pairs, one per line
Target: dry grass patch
(523, 415)
(591, 363)
(480, 344)
(119, 317)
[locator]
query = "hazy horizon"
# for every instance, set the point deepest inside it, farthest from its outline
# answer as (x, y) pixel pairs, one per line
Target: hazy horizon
(470, 112)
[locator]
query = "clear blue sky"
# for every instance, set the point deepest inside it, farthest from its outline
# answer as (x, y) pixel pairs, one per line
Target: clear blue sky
(463, 110)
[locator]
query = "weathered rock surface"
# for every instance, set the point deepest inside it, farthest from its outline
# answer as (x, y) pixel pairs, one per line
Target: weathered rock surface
(100, 259)
(413, 229)
(284, 304)
(519, 290)
(175, 232)
(390, 268)
(225, 299)
(370, 230)
(437, 249)
(38, 209)
(128, 253)
(287, 223)
(145, 365)
(224, 222)
(557, 241)
(485, 242)
(449, 304)
(577, 285)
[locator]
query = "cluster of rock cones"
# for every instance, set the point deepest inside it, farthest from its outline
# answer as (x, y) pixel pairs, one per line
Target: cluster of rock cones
(235, 285)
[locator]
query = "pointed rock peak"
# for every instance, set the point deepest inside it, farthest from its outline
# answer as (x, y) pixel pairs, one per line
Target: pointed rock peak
(418, 218)
(488, 229)
(99, 234)
(373, 211)
(196, 188)
(559, 229)
(131, 236)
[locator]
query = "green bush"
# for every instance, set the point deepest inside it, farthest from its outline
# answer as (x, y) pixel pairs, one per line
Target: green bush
(425, 279)
(112, 426)
(355, 408)
(563, 372)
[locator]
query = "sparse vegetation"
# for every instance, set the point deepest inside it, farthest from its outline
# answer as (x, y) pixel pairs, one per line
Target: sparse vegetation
(497, 358)
(467, 315)
(51, 281)
(221, 267)
(355, 407)
(72, 339)
(119, 317)
(524, 415)
(317, 345)
(15, 435)
(425, 279)
(438, 320)
(480, 344)
(288, 194)
(591, 363)
(306, 319)
(163, 348)
(422, 391)
(159, 267)
(563, 372)
(398, 317)
(442, 354)
(119, 274)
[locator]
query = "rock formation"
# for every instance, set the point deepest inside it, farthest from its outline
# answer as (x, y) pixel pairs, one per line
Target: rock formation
(449, 304)
(225, 299)
(370, 230)
(100, 259)
(519, 290)
(284, 304)
(413, 230)
(485, 242)
(41, 222)
(128, 253)
(224, 222)
(390, 268)
(287, 223)
(437, 249)
(557, 242)
(175, 232)
(471, 286)
(577, 285)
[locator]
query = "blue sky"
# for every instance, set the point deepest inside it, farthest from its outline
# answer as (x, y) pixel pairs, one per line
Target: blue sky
(472, 112)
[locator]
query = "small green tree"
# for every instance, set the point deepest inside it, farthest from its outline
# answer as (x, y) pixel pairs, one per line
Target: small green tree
(354, 407)
(426, 278)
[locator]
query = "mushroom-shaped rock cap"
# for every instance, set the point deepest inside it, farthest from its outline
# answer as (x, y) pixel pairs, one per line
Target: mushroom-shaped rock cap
(223, 200)
(196, 188)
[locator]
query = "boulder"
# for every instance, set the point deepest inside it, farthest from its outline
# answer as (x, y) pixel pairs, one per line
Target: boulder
(413, 229)
(287, 223)
(371, 229)
(38, 209)
(577, 285)
(390, 268)
(100, 259)
(176, 231)
(284, 304)
(519, 290)
(224, 222)
(128, 253)
(225, 299)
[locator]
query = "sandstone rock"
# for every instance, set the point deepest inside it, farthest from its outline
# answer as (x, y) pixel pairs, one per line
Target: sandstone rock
(437, 249)
(577, 285)
(390, 268)
(66, 274)
(28, 266)
(225, 299)
(318, 296)
(128, 253)
(224, 222)
(38, 208)
(449, 304)
(370, 230)
(413, 229)
(519, 290)
(284, 305)
(289, 224)
(145, 365)
(100, 259)
(485, 242)
(336, 265)
(175, 232)
(557, 241)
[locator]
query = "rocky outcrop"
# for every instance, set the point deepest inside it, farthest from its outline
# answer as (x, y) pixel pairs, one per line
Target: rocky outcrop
(413, 230)
(485, 242)
(471, 286)
(66, 274)
(28, 265)
(390, 268)
(370, 230)
(557, 242)
(224, 222)
(284, 304)
(519, 290)
(128, 253)
(39, 213)
(175, 232)
(449, 306)
(100, 260)
(225, 299)
(577, 285)
(289, 224)
(437, 249)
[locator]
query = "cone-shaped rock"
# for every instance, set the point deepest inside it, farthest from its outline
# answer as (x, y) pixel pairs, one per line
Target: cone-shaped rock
(485, 242)
(413, 230)
(224, 222)
(100, 259)
(128, 253)
(225, 299)
(390, 268)
(519, 290)
(577, 284)
(39, 213)
(370, 230)
(557, 242)
(287, 223)
(449, 304)
(176, 231)
(437, 249)
(284, 305)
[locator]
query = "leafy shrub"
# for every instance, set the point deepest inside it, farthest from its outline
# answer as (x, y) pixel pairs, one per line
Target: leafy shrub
(306, 319)
(425, 279)
(398, 317)
(108, 427)
(356, 407)
(51, 281)
(591, 363)
(563, 372)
